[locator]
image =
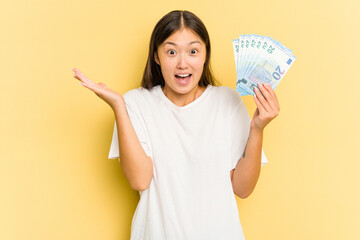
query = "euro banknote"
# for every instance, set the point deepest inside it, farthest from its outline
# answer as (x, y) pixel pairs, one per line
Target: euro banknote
(260, 59)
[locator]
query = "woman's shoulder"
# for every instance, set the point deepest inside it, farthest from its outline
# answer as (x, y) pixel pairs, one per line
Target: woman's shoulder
(139, 92)
(140, 97)
(225, 90)
(227, 93)
(230, 100)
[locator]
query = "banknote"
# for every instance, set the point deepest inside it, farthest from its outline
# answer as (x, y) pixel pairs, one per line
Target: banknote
(260, 59)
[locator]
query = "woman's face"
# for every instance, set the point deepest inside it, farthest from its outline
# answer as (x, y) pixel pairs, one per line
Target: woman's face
(181, 58)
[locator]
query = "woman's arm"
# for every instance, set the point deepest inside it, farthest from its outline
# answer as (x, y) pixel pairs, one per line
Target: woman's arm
(136, 165)
(247, 171)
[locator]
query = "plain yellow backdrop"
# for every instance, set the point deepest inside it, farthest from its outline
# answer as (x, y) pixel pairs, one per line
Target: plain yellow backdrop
(55, 179)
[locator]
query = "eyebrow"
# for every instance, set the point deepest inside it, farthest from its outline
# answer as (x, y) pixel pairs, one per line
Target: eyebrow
(171, 43)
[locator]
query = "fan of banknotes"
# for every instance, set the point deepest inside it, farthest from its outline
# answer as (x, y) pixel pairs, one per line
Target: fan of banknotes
(258, 60)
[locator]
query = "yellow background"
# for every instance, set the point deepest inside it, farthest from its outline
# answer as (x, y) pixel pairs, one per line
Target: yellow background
(55, 179)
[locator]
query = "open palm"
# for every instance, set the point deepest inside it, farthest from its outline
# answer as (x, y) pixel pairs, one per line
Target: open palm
(100, 89)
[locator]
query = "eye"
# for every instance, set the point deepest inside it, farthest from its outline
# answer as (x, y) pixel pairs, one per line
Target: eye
(193, 51)
(172, 52)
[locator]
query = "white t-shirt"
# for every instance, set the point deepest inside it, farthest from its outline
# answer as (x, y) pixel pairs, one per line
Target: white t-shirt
(193, 149)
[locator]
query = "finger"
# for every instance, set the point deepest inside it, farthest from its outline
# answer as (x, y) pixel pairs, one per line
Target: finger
(270, 99)
(90, 86)
(269, 88)
(79, 75)
(82, 82)
(264, 91)
(76, 75)
(259, 104)
(262, 100)
(272, 93)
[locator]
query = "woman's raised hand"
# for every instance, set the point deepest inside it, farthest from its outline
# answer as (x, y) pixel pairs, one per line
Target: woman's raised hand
(267, 106)
(100, 89)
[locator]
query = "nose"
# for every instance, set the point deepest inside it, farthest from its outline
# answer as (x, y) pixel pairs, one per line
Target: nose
(182, 62)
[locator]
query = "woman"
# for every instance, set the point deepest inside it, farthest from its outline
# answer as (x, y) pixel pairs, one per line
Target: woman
(186, 144)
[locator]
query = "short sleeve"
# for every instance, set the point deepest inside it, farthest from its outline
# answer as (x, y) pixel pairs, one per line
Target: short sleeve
(140, 130)
(239, 131)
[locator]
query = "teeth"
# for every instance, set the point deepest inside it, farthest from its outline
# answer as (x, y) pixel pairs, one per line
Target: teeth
(185, 75)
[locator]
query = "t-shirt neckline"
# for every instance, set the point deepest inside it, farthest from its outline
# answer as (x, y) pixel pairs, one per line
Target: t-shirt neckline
(197, 100)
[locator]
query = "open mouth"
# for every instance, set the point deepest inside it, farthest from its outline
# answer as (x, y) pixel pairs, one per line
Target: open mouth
(183, 76)
(183, 79)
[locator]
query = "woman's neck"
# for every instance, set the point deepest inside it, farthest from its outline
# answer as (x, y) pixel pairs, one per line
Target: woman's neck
(183, 99)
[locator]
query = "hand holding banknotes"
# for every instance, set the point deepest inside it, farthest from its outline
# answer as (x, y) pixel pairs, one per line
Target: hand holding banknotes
(261, 63)
(100, 89)
(267, 106)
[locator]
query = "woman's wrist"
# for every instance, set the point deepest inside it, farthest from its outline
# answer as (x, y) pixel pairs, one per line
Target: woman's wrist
(256, 130)
(118, 105)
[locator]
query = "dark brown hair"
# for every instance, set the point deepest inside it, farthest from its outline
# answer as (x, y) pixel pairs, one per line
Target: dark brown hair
(166, 26)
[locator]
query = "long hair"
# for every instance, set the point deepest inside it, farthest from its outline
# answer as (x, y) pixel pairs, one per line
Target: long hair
(166, 26)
